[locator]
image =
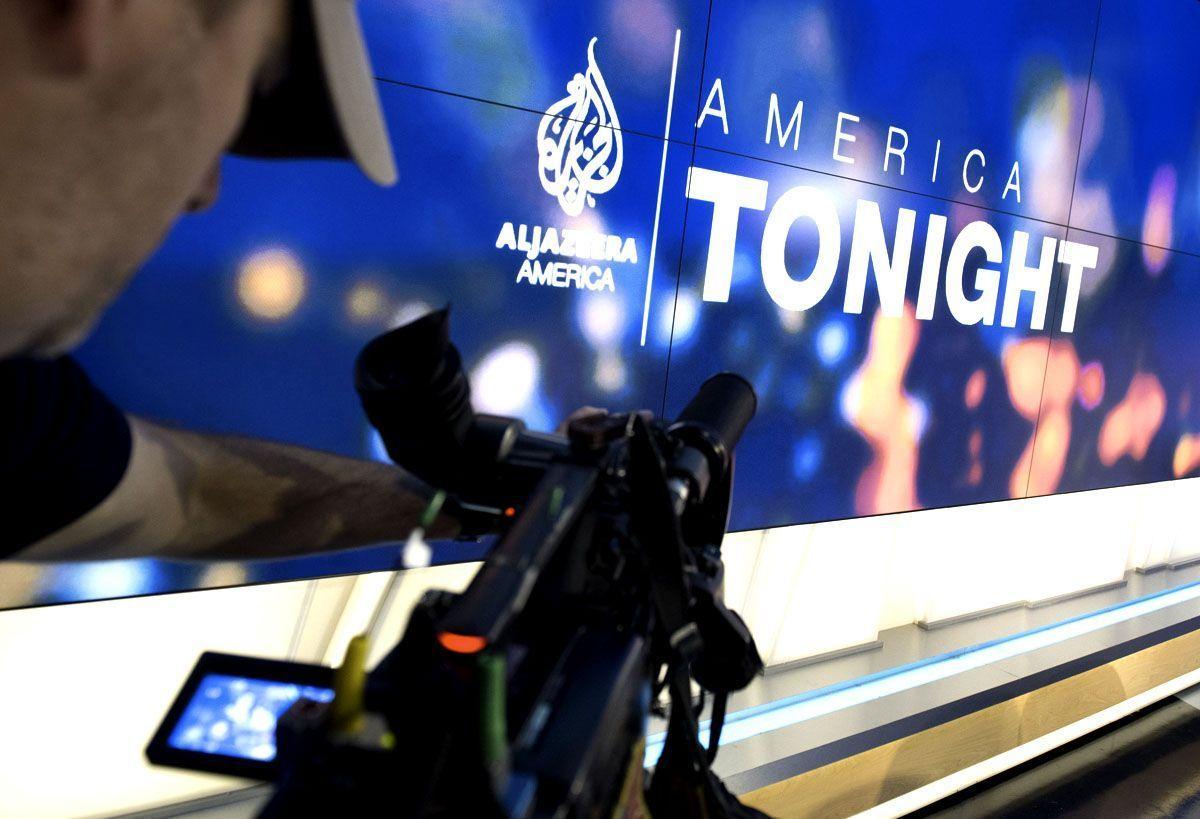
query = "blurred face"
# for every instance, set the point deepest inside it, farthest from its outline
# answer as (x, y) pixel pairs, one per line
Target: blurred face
(114, 116)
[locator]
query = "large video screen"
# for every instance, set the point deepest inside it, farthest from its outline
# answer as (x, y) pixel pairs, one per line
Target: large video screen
(955, 246)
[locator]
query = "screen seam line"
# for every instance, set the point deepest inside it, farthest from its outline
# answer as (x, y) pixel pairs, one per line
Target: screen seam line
(686, 209)
(1087, 93)
(662, 174)
(949, 200)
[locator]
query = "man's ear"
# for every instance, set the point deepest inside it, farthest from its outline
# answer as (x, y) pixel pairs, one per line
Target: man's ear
(78, 34)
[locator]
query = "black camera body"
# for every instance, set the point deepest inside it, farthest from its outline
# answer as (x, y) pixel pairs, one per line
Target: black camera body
(529, 694)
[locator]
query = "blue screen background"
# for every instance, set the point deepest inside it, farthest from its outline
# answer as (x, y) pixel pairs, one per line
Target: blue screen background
(1101, 105)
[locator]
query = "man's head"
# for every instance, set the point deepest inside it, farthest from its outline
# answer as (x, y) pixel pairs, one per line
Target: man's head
(113, 115)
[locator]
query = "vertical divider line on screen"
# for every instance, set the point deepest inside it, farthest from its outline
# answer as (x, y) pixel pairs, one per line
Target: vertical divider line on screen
(1087, 94)
(310, 591)
(662, 173)
(683, 229)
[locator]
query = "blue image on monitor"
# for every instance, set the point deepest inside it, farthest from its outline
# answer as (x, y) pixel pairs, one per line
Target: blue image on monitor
(236, 716)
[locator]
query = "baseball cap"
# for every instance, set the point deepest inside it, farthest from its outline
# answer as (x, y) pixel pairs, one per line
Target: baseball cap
(324, 103)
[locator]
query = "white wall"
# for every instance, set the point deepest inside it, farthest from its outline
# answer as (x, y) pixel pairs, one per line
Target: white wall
(858, 577)
(83, 686)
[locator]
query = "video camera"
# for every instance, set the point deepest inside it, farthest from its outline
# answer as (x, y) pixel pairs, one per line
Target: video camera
(528, 694)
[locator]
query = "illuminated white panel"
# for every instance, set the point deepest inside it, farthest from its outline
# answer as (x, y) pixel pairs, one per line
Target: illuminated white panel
(356, 613)
(370, 589)
(739, 551)
(1154, 527)
(741, 725)
(901, 600)
(976, 558)
(327, 599)
(413, 584)
(1082, 539)
(135, 653)
(85, 686)
(776, 574)
(837, 594)
(945, 563)
(1183, 511)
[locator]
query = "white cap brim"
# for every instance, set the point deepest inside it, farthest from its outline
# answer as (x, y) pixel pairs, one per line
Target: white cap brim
(351, 84)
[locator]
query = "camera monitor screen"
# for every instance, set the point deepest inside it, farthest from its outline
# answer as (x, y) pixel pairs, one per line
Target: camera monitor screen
(224, 718)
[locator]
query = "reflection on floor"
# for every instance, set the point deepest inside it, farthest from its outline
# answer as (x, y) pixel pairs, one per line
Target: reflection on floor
(900, 646)
(1147, 765)
(912, 643)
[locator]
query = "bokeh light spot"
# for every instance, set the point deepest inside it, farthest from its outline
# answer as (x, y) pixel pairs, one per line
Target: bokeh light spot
(1041, 379)
(806, 457)
(1130, 426)
(1091, 385)
(1187, 456)
(1158, 223)
(505, 379)
(832, 342)
(975, 450)
(677, 322)
(792, 321)
(976, 387)
(891, 421)
(271, 284)
(610, 375)
(601, 318)
(409, 311)
(106, 578)
(365, 301)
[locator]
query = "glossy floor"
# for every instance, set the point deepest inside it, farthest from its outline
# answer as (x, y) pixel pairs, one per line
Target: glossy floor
(1147, 765)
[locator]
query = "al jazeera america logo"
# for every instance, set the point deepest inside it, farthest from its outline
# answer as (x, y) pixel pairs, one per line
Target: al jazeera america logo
(580, 153)
(579, 142)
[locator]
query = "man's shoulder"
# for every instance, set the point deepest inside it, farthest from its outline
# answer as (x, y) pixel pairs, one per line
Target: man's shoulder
(64, 446)
(43, 397)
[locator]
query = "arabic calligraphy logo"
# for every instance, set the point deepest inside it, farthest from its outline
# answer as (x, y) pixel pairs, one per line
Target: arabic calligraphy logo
(579, 142)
